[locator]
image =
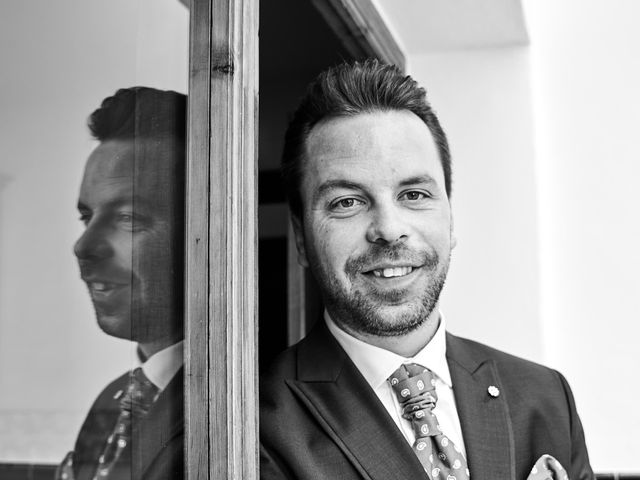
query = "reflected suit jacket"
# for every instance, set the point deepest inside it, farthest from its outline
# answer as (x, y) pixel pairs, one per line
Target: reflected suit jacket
(320, 419)
(157, 440)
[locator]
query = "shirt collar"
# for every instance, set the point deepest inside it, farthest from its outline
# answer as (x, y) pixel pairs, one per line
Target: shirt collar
(377, 364)
(161, 367)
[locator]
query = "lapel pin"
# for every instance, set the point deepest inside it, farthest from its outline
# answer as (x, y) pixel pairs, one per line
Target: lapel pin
(493, 391)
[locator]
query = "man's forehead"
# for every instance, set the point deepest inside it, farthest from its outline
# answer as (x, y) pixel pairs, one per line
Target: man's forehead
(364, 129)
(112, 158)
(377, 145)
(124, 170)
(140, 157)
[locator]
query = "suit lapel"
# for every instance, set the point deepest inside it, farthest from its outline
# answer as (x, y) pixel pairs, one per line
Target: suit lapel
(164, 421)
(348, 410)
(485, 421)
(96, 428)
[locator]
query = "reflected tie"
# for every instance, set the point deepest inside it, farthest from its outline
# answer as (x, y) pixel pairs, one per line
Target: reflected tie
(134, 402)
(414, 387)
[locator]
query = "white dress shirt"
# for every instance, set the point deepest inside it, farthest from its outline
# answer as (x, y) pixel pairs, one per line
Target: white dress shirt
(377, 364)
(162, 366)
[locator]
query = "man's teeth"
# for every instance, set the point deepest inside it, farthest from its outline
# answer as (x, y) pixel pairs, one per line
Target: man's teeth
(393, 272)
(102, 286)
(99, 286)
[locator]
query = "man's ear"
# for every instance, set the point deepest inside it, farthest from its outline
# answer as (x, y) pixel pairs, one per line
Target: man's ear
(298, 233)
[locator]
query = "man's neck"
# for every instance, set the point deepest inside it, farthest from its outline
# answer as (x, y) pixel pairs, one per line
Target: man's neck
(407, 345)
(152, 347)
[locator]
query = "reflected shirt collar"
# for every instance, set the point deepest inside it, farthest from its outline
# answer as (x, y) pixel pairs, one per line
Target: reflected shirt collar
(377, 364)
(161, 367)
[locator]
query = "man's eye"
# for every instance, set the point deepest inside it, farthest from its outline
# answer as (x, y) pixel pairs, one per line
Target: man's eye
(125, 218)
(131, 222)
(345, 203)
(85, 217)
(413, 195)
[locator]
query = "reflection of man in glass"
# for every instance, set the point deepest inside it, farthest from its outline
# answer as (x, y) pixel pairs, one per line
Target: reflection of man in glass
(131, 258)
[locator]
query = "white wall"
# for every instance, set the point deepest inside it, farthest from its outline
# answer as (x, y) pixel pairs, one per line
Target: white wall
(546, 168)
(59, 60)
(586, 75)
(483, 100)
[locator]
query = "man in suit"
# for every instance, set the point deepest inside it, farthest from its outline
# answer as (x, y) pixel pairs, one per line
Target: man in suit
(378, 389)
(131, 259)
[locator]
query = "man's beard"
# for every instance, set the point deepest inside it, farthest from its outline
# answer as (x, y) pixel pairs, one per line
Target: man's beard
(367, 311)
(143, 317)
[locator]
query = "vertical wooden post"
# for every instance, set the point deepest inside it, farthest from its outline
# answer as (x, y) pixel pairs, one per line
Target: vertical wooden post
(221, 285)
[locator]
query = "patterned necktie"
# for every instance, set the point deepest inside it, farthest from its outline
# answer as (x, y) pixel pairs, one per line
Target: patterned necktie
(135, 402)
(414, 387)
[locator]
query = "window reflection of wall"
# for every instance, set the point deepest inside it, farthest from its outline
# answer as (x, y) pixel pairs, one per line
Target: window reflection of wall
(59, 61)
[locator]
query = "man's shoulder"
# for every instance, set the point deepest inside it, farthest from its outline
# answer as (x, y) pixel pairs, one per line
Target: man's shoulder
(315, 358)
(283, 367)
(480, 350)
(459, 349)
(116, 385)
(510, 367)
(107, 399)
(99, 421)
(317, 354)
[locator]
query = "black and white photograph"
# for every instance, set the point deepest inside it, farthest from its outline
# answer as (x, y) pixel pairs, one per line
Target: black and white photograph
(319, 239)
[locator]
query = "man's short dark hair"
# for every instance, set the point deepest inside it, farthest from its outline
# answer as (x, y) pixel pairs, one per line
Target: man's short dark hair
(350, 89)
(140, 112)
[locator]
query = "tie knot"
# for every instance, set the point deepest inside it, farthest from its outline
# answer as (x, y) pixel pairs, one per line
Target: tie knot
(414, 386)
(140, 394)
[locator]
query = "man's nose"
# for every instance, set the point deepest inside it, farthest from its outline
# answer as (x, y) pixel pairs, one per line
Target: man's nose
(388, 225)
(93, 244)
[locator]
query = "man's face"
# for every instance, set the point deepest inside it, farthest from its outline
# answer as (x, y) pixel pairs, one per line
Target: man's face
(376, 226)
(130, 252)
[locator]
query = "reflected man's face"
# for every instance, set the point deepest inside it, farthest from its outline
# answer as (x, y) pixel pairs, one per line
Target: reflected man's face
(376, 228)
(130, 252)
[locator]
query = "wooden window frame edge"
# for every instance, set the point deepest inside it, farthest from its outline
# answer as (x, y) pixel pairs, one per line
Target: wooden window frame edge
(221, 392)
(362, 29)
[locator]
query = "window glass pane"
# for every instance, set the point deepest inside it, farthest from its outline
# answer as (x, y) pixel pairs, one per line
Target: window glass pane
(64, 338)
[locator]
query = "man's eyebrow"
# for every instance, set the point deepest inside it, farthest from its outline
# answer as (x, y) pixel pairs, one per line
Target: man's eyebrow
(120, 201)
(335, 184)
(418, 179)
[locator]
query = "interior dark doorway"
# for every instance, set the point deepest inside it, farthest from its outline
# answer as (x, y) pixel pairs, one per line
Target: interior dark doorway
(298, 39)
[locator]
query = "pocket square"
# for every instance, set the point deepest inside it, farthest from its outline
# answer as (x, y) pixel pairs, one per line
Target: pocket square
(548, 468)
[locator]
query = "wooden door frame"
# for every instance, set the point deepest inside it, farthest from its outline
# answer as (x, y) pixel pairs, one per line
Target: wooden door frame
(362, 29)
(221, 242)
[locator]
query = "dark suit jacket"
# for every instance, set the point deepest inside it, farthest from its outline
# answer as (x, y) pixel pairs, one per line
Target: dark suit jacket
(320, 419)
(157, 442)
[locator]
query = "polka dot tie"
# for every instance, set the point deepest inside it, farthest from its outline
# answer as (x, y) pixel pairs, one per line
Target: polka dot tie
(547, 468)
(135, 401)
(415, 389)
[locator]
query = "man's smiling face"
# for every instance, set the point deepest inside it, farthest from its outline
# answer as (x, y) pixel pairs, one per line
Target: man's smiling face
(129, 253)
(376, 226)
